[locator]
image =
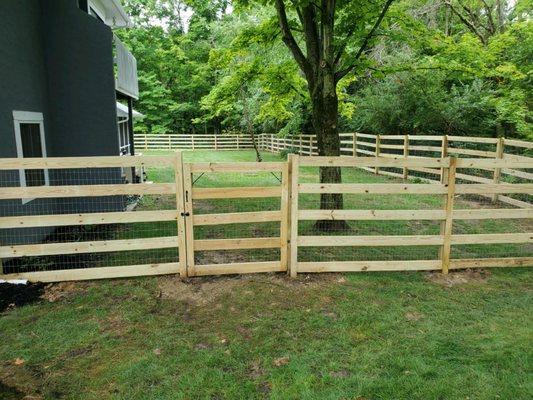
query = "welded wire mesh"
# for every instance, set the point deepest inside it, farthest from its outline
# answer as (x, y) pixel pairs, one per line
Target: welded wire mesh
(80, 233)
(401, 227)
(236, 205)
(360, 228)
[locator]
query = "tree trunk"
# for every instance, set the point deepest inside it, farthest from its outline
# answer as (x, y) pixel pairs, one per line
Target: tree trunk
(325, 118)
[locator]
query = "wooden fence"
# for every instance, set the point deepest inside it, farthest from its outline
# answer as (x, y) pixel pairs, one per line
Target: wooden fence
(287, 215)
(360, 144)
(192, 142)
(448, 188)
(416, 146)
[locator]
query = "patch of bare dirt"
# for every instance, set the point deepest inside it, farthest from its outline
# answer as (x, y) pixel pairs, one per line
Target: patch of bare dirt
(114, 325)
(459, 277)
(340, 374)
(206, 290)
(63, 290)
(413, 316)
(255, 370)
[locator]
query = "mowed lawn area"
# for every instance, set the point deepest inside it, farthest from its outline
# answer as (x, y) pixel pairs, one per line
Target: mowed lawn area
(405, 335)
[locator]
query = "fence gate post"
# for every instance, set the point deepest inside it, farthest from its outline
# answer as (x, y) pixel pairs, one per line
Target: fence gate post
(285, 213)
(446, 225)
(188, 218)
(294, 163)
(443, 153)
(180, 209)
(378, 142)
(405, 155)
(354, 144)
(498, 171)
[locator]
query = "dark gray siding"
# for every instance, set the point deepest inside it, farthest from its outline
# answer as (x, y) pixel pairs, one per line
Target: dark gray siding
(23, 84)
(57, 60)
(81, 86)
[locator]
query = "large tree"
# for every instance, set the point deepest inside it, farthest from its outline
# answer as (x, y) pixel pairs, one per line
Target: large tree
(328, 39)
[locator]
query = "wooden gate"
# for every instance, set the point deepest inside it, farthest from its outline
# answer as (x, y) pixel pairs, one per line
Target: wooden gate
(193, 192)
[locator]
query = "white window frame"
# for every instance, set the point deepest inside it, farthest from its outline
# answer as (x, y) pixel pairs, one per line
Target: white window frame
(29, 117)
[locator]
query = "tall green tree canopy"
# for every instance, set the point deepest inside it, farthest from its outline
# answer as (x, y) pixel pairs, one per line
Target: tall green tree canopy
(429, 66)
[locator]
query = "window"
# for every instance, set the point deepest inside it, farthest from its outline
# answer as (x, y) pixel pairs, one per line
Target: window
(30, 141)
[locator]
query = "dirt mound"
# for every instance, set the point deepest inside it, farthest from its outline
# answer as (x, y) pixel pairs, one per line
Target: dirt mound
(19, 295)
(58, 291)
(458, 277)
(206, 290)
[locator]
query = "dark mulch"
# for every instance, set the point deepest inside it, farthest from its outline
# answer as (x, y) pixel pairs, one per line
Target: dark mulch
(19, 295)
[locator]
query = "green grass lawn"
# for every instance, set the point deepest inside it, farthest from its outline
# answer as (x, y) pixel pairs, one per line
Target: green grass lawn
(327, 336)
(351, 336)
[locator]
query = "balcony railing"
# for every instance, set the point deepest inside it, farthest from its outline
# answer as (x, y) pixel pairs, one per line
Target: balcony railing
(126, 70)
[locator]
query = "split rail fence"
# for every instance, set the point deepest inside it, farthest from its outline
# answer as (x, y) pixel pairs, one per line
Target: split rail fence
(188, 208)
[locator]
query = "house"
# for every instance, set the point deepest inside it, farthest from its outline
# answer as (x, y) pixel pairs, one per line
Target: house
(62, 71)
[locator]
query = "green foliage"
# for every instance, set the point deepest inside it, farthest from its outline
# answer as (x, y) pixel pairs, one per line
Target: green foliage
(426, 70)
(285, 152)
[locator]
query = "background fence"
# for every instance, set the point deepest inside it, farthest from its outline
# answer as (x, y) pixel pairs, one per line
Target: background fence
(216, 218)
(192, 142)
(359, 144)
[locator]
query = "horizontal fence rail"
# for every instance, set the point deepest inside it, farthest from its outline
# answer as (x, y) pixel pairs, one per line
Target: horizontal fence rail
(190, 235)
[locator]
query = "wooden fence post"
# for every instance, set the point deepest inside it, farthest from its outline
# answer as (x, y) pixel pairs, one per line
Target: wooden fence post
(145, 142)
(405, 155)
(354, 144)
(216, 145)
(378, 142)
(189, 216)
(446, 225)
(192, 141)
(180, 209)
(300, 147)
(498, 171)
(237, 142)
(443, 153)
(271, 143)
(285, 215)
(294, 162)
(310, 145)
(169, 142)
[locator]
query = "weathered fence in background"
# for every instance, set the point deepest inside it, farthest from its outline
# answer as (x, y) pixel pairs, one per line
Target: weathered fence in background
(168, 238)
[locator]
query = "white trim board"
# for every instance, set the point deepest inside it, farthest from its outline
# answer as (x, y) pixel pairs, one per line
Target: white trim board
(21, 117)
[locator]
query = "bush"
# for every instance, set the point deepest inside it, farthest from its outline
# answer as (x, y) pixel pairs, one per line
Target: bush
(285, 152)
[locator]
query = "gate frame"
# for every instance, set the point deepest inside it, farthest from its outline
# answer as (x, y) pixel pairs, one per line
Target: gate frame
(185, 195)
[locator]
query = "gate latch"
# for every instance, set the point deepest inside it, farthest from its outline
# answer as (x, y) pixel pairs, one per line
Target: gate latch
(185, 214)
